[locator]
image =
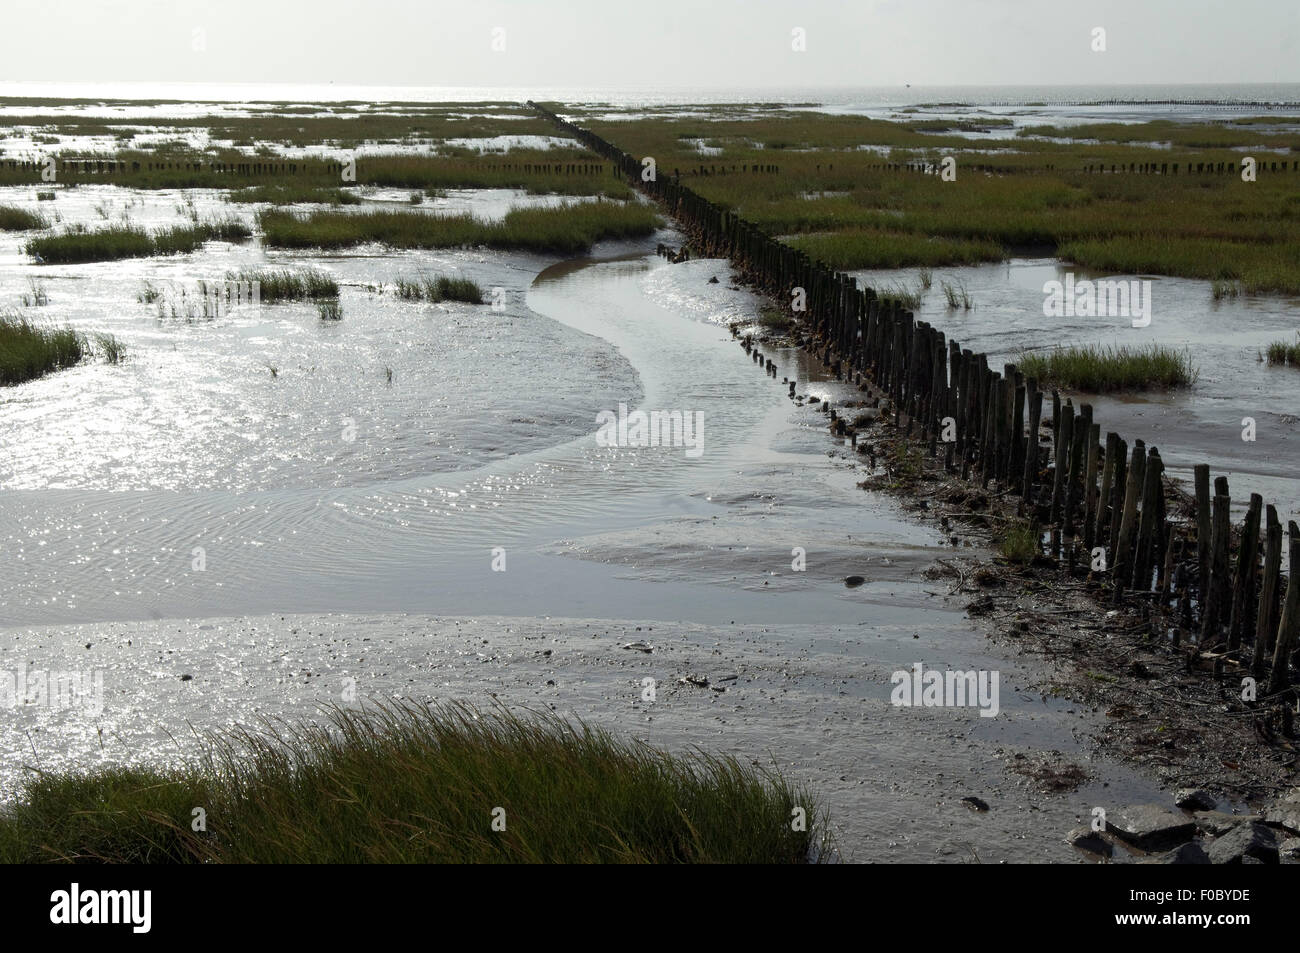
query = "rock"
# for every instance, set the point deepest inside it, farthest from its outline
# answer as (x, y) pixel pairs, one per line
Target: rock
(639, 647)
(853, 581)
(1215, 823)
(1194, 799)
(1151, 826)
(1285, 813)
(1288, 852)
(980, 606)
(713, 280)
(1251, 839)
(975, 804)
(186, 678)
(1189, 853)
(699, 680)
(1085, 838)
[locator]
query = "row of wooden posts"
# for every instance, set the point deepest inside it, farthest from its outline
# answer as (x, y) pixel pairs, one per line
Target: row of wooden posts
(1200, 168)
(93, 166)
(1200, 581)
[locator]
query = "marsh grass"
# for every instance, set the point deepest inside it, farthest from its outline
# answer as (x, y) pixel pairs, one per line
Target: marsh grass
(1097, 369)
(15, 219)
(130, 241)
(774, 318)
(286, 285)
(109, 347)
(413, 784)
(293, 194)
(1223, 288)
(439, 288)
(1285, 352)
(36, 296)
(1020, 543)
(28, 351)
(879, 248)
(330, 310)
(47, 196)
(567, 230)
(905, 296)
(956, 296)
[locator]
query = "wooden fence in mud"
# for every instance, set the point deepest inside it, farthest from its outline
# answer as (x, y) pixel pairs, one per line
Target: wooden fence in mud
(1189, 168)
(1201, 581)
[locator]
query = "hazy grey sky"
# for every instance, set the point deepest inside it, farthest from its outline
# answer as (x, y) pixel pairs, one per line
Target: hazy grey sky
(740, 43)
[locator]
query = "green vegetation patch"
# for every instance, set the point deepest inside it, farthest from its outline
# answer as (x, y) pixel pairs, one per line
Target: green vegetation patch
(568, 230)
(1098, 369)
(28, 351)
(409, 784)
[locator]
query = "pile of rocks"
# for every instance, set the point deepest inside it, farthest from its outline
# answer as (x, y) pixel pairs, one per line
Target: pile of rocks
(1194, 831)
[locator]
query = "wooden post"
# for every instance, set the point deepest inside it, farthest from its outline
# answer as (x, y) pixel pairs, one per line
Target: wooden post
(1243, 595)
(1290, 624)
(1099, 535)
(1121, 563)
(1212, 609)
(1031, 442)
(1267, 616)
(1203, 530)
(1147, 526)
(1090, 486)
(1062, 438)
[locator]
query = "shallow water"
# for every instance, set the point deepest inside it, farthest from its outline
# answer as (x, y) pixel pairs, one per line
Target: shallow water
(1201, 424)
(321, 555)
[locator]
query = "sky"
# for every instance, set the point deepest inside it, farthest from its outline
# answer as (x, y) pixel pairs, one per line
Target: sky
(664, 43)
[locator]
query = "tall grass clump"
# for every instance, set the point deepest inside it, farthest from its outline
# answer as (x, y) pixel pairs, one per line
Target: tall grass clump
(130, 241)
(36, 296)
(286, 285)
(15, 219)
(1020, 543)
(109, 347)
(957, 296)
(1099, 369)
(1285, 352)
(568, 229)
(905, 296)
(292, 194)
(415, 784)
(440, 288)
(330, 309)
(28, 351)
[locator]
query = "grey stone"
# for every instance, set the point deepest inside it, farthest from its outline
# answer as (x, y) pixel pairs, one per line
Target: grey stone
(1288, 852)
(1195, 799)
(1085, 838)
(1216, 823)
(1251, 839)
(1151, 826)
(1189, 853)
(1286, 812)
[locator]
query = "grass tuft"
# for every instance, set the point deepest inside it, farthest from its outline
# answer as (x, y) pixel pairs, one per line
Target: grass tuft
(1285, 352)
(414, 784)
(1099, 369)
(28, 351)
(15, 219)
(568, 230)
(110, 348)
(286, 285)
(440, 288)
(1020, 544)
